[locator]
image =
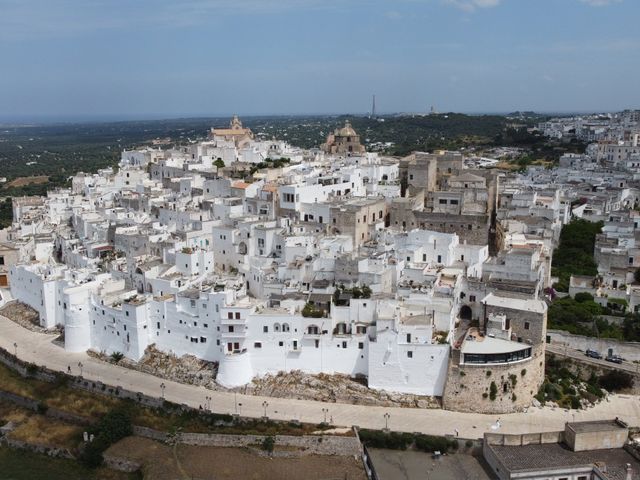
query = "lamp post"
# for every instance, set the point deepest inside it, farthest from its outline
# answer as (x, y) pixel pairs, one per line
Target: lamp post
(15, 348)
(265, 404)
(162, 387)
(386, 420)
(325, 411)
(208, 402)
(80, 365)
(235, 401)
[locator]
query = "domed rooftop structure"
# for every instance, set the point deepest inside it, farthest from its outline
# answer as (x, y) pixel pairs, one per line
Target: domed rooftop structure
(343, 140)
(346, 131)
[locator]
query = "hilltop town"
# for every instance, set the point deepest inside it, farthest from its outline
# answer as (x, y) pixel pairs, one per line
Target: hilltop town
(420, 274)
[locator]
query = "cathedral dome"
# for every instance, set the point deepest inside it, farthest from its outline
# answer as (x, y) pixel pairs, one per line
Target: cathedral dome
(347, 130)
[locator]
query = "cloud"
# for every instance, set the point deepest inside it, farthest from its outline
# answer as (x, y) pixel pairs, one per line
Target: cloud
(393, 15)
(600, 3)
(472, 5)
(25, 19)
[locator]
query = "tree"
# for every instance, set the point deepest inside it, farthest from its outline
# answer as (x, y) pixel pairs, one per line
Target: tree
(219, 163)
(268, 443)
(583, 297)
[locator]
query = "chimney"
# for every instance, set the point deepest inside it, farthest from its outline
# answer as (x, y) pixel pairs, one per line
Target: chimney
(629, 475)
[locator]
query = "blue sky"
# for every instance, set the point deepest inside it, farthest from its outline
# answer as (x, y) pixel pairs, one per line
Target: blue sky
(165, 58)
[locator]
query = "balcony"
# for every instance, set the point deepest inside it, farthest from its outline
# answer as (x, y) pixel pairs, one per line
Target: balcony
(237, 334)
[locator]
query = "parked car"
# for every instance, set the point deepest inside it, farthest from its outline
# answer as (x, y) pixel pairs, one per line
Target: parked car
(614, 358)
(593, 354)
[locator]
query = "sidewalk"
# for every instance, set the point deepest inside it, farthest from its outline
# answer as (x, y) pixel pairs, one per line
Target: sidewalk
(39, 349)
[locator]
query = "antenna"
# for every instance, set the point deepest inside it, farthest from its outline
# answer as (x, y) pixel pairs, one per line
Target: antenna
(373, 107)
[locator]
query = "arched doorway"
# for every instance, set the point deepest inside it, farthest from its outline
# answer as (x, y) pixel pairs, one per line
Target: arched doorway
(465, 312)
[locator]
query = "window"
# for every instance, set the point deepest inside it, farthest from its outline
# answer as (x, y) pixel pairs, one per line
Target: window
(526, 325)
(1, 260)
(230, 315)
(203, 339)
(257, 345)
(280, 344)
(265, 329)
(158, 325)
(237, 315)
(442, 201)
(195, 324)
(230, 328)
(206, 325)
(439, 258)
(409, 354)
(361, 345)
(453, 202)
(344, 344)
(408, 338)
(472, 298)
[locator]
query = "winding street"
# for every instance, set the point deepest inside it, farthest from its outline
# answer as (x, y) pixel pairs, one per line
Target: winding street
(40, 349)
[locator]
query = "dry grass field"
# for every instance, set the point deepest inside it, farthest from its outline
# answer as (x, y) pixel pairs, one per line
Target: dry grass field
(163, 462)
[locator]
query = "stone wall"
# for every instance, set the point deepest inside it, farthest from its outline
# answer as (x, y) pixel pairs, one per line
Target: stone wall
(468, 386)
(37, 448)
(307, 444)
(628, 350)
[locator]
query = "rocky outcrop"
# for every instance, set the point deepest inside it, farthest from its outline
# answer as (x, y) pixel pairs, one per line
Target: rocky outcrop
(332, 388)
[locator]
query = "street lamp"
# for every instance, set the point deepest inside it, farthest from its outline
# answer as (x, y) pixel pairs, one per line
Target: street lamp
(162, 387)
(325, 411)
(80, 365)
(235, 401)
(265, 404)
(386, 420)
(15, 348)
(208, 401)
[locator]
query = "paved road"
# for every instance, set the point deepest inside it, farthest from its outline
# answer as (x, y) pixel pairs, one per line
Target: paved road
(40, 349)
(581, 357)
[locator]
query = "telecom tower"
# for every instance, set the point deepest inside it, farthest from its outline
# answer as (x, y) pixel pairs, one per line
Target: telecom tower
(373, 107)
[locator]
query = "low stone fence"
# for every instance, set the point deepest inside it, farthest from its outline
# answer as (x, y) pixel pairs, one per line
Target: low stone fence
(19, 400)
(306, 444)
(37, 448)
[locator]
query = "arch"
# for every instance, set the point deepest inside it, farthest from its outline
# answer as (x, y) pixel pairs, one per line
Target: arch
(276, 327)
(242, 248)
(313, 330)
(465, 312)
(285, 327)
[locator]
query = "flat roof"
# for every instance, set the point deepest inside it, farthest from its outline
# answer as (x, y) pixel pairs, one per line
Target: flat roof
(596, 426)
(492, 345)
(529, 305)
(556, 455)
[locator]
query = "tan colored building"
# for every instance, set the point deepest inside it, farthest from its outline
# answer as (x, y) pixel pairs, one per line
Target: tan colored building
(9, 256)
(235, 133)
(343, 141)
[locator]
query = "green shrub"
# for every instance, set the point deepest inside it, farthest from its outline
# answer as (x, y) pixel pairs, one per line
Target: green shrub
(117, 356)
(616, 380)
(428, 443)
(493, 391)
(32, 369)
(268, 444)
